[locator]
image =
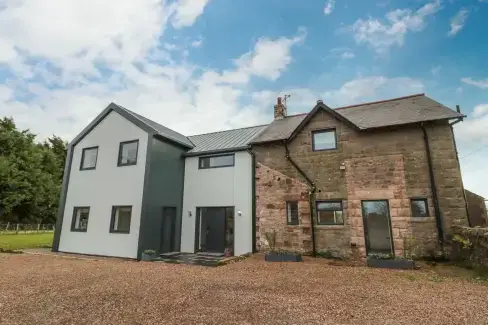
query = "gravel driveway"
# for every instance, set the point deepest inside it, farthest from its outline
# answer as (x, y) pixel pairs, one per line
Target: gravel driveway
(56, 290)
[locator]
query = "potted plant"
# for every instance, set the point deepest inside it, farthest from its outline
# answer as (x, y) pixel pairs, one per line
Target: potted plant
(388, 261)
(278, 255)
(148, 255)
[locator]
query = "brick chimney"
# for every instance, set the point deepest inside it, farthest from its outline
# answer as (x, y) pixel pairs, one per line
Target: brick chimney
(279, 109)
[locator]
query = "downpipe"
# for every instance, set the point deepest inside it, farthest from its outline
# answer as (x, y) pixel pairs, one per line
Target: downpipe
(311, 192)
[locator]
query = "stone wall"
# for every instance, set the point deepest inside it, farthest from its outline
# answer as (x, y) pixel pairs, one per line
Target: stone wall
(477, 209)
(389, 163)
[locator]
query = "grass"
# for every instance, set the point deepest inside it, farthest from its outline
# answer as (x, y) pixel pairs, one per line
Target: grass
(21, 241)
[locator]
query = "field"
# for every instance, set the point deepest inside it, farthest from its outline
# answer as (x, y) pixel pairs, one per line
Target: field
(12, 241)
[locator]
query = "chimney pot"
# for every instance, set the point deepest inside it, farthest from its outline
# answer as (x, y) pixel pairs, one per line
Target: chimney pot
(279, 109)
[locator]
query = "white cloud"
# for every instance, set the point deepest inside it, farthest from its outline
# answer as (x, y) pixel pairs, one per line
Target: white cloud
(480, 110)
(435, 70)
(458, 21)
(197, 43)
(372, 88)
(342, 52)
(383, 35)
(187, 11)
(483, 84)
(69, 59)
(329, 7)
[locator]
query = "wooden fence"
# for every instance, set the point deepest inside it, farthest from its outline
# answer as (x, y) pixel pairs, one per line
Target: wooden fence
(20, 228)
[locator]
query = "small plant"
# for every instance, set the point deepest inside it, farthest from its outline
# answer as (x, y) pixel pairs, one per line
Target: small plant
(380, 256)
(149, 252)
(271, 239)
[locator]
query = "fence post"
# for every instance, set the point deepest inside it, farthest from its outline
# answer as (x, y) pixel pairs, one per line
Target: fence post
(17, 229)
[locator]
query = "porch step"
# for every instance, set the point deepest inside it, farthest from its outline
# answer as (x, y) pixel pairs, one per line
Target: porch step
(209, 254)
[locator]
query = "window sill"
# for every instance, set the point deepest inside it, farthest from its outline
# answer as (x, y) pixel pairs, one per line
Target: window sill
(124, 165)
(423, 219)
(330, 226)
(91, 168)
(78, 230)
(119, 232)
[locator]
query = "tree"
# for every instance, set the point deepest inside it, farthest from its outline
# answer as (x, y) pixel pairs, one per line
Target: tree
(30, 175)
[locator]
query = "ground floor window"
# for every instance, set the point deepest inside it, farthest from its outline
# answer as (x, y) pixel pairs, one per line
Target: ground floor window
(377, 227)
(292, 213)
(120, 221)
(329, 213)
(80, 219)
(419, 208)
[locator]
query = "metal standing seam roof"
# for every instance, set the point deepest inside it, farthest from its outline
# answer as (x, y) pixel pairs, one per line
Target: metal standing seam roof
(161, 130)
(224, 140)
(396, 111)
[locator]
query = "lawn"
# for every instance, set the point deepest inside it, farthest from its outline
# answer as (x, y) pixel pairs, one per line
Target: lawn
(66, 290)
(21, 241)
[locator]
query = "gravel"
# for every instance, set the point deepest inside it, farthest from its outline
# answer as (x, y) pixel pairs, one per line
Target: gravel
(56, 290)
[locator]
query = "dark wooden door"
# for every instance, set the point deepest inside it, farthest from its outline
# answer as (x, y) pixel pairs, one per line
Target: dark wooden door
(168, 229)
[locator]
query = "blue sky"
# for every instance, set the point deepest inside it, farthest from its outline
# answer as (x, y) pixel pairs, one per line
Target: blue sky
(201, 66)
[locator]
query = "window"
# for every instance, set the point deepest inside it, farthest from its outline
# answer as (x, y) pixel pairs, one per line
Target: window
(292, 213)
(216, 161)
(128, 153)
(120, 222)
(89, 158)
(419, 208)
(324, 140)
(329, 213)
(80, 219)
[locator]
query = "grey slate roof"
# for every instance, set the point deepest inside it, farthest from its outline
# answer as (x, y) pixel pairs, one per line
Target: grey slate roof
(397, 111)
(405, 110)
(161, 130)
(223, 140)
(280, 129)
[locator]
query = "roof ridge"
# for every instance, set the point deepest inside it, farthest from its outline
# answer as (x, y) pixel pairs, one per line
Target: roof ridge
(246, 127)
(299, 114)
(380, 101)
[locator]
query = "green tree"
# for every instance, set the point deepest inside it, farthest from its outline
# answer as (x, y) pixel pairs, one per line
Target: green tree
(30, 175)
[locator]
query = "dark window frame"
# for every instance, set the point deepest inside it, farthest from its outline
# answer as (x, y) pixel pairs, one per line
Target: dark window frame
(327, 130)
(73, 219)
(328, 201)
(220, 155)
(83, 158)
(119, 158)
(112, 219)
(423, 199)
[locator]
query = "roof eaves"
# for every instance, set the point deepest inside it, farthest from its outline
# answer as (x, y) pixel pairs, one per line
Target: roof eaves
(410, 123)
(215, 151)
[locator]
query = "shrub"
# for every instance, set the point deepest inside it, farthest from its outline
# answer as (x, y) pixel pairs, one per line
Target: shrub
(470, 246)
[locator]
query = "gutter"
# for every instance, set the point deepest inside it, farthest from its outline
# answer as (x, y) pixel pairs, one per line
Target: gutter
(311, 192)
(253, 198)
(433, 187)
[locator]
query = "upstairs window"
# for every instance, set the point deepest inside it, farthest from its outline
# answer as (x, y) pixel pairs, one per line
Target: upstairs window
(120, 221)
(128, 153)
(419, 208)
(89, 158)
(216, 161)
(330, 213)
(80, 219)
(324, 140)
(292, 213)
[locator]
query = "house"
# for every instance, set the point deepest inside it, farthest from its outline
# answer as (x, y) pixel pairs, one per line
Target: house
(363, 178)
(376, 177)
(476, 209)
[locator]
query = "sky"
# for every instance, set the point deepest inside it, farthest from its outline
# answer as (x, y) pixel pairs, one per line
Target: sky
(207, 65)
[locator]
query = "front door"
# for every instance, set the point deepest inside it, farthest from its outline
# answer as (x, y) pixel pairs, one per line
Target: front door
(168, 229)
(377, 227)
(213, 228)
